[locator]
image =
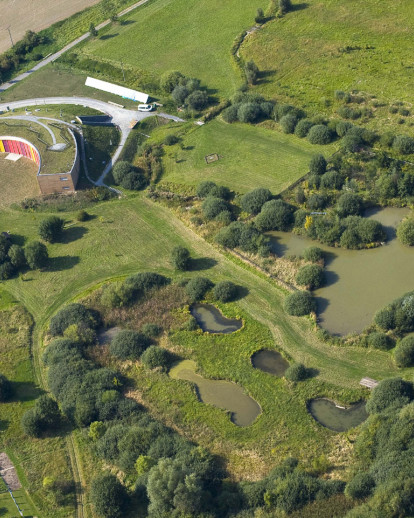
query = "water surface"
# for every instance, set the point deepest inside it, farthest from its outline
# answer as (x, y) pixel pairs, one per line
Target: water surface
(337, 418)
(210, 319)
(271, 362)
(220, 393)
(358, 282)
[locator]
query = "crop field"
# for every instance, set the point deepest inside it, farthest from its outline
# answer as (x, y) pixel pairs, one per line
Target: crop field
(336, 45)
(250, 156)
(18, 180)
(35, 15)
(187, 35)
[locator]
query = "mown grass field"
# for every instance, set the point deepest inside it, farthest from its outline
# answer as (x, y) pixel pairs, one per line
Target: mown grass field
(250, 156)
(187, 35)
(301, 52)
(18, 180)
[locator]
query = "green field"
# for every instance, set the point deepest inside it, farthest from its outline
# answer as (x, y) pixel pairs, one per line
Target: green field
(187, 35)
(250, 156)
(302, 58)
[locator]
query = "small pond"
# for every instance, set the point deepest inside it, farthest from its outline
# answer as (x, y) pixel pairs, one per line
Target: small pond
(270, 361)
(358, 282)
(220, 393)
(337, 418)
(210, 319)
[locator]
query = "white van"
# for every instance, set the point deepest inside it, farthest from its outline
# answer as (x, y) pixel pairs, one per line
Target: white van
(145, 107)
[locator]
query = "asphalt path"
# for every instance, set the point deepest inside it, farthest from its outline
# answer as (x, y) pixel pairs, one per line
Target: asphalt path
(56, 55)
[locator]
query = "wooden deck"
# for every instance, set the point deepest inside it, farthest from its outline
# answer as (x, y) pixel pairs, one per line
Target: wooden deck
(369, 383)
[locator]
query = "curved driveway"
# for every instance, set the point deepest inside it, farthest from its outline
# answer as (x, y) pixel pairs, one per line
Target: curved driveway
(121, 117)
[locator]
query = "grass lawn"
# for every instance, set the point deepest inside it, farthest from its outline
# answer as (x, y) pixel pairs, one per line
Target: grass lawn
(18, 180)
(187, 35)
(251, 156)
(302, 57)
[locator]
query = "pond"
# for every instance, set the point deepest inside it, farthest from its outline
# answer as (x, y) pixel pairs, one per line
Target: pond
(271, 362)
(210, 319)
(337, 418)
(358, 282)
(220, 393)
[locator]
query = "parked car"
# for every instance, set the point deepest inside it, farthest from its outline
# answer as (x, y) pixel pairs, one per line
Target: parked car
(145, 107)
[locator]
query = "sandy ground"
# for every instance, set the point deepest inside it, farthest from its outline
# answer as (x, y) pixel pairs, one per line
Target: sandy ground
(23, 15)
(8, 472)
(17, 180)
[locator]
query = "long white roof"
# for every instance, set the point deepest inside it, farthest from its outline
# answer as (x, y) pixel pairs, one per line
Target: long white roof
(128, 93)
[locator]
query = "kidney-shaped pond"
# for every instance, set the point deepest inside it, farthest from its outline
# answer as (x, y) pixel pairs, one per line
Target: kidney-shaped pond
(335, 417)
(210, 319)
(220, 393)
(270, 361)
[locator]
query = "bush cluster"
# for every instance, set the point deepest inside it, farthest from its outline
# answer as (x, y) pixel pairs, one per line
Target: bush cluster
(44, 416)
(244, 236)
(398, 316)
(197, 287)
(129, 176)
(225, 291)
(247, 107)
(299, 303)
(184, 90)
(405, 232)
(209, 188)
(14, 258)
(129, 345)
(313, 254)
(275, 215)
(404, 352)
(310, 276)
(253, 201)
(297, 372)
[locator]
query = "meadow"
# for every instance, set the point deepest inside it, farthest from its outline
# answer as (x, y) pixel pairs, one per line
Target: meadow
(250, 156)
(187, 35)
(18, 180)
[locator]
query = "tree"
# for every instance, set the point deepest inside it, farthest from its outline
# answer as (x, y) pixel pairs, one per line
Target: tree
(197, 287)
(155, 357)
(169, 80)
(171, 139)
(320, 134)
(251, 70)
(391, 392)
(146, 281)
(36, 255)
(249, 112)
(230, 114)
(180, 258)
(180, 94)
(97, 430)
(302, 128)
(404, 352)
(313, 254)
(121, 170)
(299, 303)
(108, 496)
(92, 30)
(225, 291)
(317, 165)
(403, 144)
(253, 201)
(6, 390)
(134, 181)
(74, 314)
(275, 215)
(48, 412)
(6, 270)
(260, 17)
(311, 276)
(212, 207)
(288, 123)
(296, 372)
(16, 255)
(361, 486)
(349, 204)
(284, 6)
(380, 341)
(82, 215)
(30, 423)
(143, 464)
(332, 180)
(128, 345)
(197, 100)
(50, 229)
(317, 201)
(405, 232)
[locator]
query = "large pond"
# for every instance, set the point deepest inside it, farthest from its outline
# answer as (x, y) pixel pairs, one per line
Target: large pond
(220, 393)
(358, 282)
(271, 362)
(210, 319)
(335, 417)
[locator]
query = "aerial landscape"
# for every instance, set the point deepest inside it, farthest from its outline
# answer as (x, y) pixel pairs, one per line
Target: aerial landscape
(206, 259)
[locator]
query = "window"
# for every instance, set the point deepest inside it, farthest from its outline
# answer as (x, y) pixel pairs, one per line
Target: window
(63, 178)
(66, 188)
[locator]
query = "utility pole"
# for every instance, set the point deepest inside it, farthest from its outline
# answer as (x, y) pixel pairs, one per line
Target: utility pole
(11, 39)
(123, 73)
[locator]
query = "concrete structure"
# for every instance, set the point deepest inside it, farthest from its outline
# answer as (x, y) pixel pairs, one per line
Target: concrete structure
(127, 93)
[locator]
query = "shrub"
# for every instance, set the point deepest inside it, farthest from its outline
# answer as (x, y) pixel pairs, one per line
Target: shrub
(108, 496)
(197, 287)
(169, 80)
(118, 295)
(385, 318)
(332, 180)
(405, 232)
(5, 388)
(129, 345)
(313, 254)
(342, 127)
(225, 217)
(316, 201)
(352, 143)
(50, 229)
(197, 100)
(179, 94)
(302, 128)
(230, 114)
(225, 291)
(134, 181)
(82, 215)
(320, 134)
(317, 165)
(349, 204)
(220, 191)
(6, 271)
(155, 357)
(249, 112)
(380, 341)
(121, 170)
(212, 207)
(296, 372)
(391, 392)
(403, 144)
(251, 70)
(61, 349)
(229, 236)
(404, 352)
(16, 256)
(36, 255)
(253, 201)
(310, 276)
(151, 330)
(275, 215)
(145, 281)
(30, 423)
(288, 123)
(205, 188)
(74, 314)
(180, 258)
(361, 486)
(299, 303)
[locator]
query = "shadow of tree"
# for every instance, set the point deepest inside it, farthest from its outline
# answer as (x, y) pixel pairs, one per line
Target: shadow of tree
(73, 234)
(25, 391)
(64, 262)
(202, 263)
(108, 36)
(242, 292)
(126, 22)
(299, 7)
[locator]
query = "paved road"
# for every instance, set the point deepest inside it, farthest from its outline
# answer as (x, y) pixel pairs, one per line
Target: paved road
(121, 117)
(56, 55)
